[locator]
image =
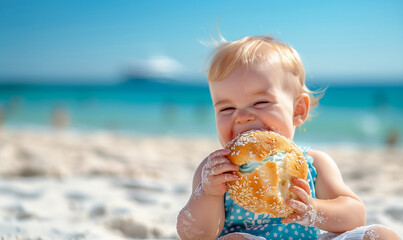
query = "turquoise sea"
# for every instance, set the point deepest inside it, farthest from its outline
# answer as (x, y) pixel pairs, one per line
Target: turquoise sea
(347, 113)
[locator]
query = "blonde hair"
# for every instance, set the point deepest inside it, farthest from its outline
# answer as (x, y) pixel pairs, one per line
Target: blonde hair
(253, 50)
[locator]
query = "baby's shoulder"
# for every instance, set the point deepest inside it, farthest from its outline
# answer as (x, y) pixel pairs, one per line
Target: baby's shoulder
(317, 154)
(321, 160)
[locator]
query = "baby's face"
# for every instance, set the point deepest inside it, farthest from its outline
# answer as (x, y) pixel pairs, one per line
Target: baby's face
(254, 99)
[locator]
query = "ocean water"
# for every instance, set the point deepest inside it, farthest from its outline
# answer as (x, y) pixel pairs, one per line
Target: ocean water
(358, 114)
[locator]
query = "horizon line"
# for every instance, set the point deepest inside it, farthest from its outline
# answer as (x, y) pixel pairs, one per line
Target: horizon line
(310, 79)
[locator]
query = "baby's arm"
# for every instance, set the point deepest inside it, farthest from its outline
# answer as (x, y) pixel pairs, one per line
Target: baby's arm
(337, 208)
(203, 216)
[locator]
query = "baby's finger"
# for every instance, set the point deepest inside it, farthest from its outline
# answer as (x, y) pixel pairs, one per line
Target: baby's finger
(222, 168)
(219, 153)
(211, 163)
(297, 205)
(297, 218)
(301, 193)
(302, 184)
(223, 178)
(289, 219)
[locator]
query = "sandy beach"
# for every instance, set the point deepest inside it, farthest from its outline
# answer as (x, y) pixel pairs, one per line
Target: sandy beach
(104, 185)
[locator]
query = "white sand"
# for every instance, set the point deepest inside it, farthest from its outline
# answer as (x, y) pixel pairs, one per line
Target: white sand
(70, 185)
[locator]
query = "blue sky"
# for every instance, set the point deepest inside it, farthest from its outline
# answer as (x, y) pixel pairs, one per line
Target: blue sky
(103, 39)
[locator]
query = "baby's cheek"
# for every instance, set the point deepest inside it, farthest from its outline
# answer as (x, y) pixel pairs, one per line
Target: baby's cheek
(224, 138)
(224, 131)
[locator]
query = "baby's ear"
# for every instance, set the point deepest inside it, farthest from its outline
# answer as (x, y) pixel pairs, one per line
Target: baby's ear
(301, 109)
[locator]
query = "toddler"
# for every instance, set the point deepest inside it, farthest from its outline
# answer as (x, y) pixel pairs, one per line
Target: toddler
(259, 83)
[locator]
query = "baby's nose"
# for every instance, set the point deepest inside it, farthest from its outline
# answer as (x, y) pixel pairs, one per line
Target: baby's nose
(244, 116)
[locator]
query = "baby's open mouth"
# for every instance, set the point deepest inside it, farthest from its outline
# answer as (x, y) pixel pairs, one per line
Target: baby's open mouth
(265, 129)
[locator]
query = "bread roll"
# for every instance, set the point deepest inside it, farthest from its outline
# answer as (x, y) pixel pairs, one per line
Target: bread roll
(267, 161)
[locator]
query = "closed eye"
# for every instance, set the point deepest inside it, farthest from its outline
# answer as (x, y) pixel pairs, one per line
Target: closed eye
(227, 110)
(261, 104)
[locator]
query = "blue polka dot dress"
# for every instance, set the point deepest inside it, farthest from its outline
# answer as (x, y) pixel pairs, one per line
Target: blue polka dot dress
(238, 219)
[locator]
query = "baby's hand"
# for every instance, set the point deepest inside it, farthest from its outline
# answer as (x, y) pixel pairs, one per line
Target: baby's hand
(216, 172)
(304, 205)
